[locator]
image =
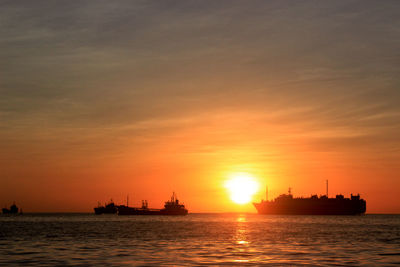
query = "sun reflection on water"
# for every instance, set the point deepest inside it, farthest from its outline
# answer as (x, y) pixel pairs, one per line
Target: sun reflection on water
(241, 260)
(241, 231)
(241, 218)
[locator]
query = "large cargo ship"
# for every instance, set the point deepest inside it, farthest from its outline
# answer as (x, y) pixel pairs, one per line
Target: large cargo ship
(314, 205)
(171, 207)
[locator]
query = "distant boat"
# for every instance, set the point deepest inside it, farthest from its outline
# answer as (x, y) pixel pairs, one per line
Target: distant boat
(171, 207)
(13, 209)
(109, 208)
(287, 204)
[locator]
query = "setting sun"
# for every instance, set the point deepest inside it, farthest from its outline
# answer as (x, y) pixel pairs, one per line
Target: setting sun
(241, 188)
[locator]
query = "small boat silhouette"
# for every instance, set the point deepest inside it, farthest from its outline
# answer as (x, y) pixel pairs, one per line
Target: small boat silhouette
(12, 210)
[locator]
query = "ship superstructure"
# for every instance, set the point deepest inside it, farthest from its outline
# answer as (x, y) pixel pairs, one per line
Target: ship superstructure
(108, 208)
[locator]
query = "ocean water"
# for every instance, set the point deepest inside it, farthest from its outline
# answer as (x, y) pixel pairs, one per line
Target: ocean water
(199, 239)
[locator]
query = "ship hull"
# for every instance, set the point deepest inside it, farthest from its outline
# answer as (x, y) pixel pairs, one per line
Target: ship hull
(312, 207)
(12, 210)
(180, 212)
(103, 210)
(124, 210)
(7, 211)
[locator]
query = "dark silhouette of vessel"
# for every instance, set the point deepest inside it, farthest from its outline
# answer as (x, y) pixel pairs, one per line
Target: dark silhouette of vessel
(323, 205)
(12, 210)
(171, 207)
(109, 208)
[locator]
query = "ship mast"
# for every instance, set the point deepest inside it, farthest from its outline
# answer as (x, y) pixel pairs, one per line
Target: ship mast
(326, 188)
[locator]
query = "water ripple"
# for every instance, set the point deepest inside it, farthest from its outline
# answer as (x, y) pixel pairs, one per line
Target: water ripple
(199, 239)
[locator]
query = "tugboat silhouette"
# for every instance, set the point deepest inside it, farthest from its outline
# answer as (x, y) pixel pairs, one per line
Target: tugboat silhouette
(12, 210)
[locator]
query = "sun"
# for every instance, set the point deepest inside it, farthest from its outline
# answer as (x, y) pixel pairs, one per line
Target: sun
(241, 187)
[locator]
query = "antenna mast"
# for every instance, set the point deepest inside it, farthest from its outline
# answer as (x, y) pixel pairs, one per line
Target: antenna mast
(326, 188)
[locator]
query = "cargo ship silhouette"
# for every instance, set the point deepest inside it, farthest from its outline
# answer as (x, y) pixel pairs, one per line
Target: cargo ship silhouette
(171, 207)
(323, 205)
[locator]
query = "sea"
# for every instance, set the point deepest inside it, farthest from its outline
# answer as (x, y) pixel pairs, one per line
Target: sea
(199, 239)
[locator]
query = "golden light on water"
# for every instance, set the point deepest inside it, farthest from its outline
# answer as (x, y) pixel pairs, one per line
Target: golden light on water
(241, 187)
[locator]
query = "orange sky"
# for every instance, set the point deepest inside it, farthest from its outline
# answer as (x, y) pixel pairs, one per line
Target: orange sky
(100, 101)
